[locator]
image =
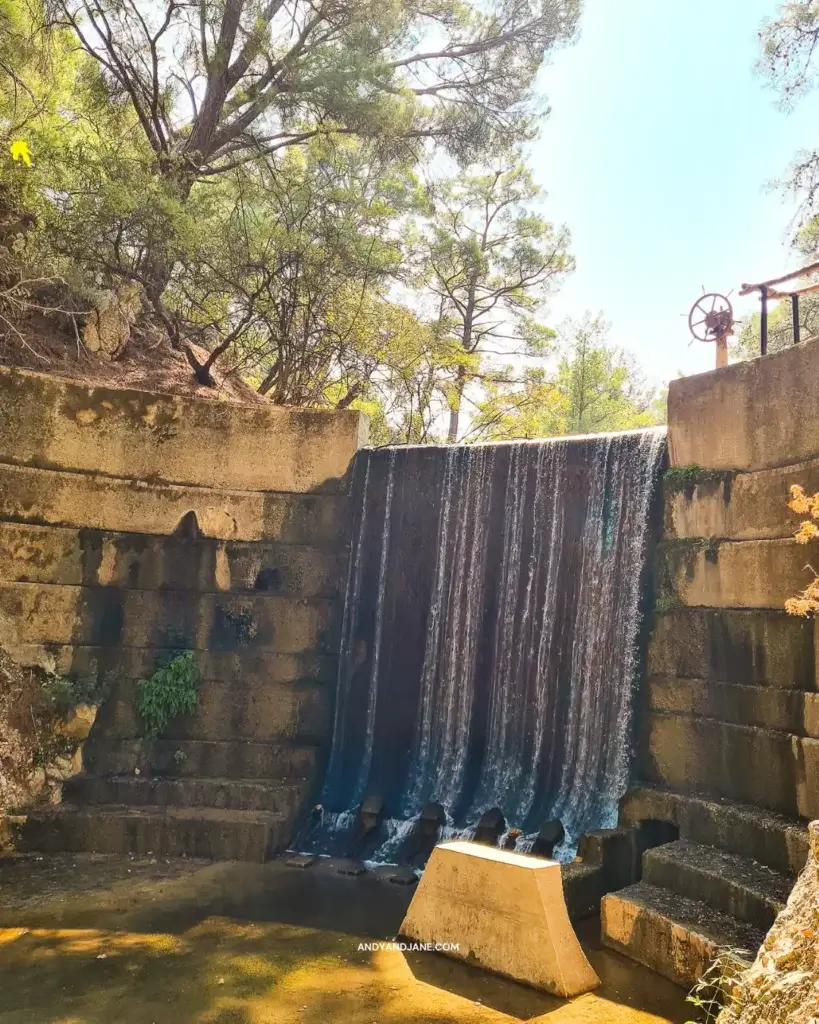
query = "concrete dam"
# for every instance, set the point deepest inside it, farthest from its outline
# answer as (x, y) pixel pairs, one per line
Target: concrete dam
(583, 630)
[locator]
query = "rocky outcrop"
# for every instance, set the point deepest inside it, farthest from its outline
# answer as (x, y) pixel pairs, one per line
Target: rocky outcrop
(783, 982)
(109, 325)
(40, 739)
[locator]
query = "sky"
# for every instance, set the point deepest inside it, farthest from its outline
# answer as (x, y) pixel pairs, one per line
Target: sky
(658, 153)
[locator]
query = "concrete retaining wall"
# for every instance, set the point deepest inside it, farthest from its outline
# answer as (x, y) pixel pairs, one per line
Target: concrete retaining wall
(730, 707)
(133, 525)
(749, 416)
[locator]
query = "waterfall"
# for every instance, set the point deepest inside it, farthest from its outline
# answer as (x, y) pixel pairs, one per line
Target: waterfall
(489, 648)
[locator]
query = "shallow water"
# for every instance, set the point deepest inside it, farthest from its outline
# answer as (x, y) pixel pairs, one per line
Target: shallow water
(107, 940)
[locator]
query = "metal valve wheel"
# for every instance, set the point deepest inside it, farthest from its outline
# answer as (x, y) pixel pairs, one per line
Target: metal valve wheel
(711, 317)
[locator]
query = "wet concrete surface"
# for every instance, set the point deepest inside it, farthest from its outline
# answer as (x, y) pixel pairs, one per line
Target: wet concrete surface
(89, 939)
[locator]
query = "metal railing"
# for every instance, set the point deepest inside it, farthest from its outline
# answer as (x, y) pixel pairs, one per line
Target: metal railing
(768, 290)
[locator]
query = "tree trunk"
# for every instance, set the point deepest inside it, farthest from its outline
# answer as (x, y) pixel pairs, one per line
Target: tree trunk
(466, 345)
(455, 408)
(454, 419)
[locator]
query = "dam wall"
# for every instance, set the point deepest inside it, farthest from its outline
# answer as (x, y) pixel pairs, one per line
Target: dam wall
(728, 731)
(134, 526)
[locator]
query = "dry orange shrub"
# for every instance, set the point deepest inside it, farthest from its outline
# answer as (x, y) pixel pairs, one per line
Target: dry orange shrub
(806, 603)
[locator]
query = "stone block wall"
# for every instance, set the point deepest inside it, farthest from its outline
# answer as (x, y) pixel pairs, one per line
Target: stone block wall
(733, 707)
(133, 525)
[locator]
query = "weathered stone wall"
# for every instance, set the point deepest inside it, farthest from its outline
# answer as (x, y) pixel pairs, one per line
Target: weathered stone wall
(135, 524)
(733, 707)
(727, 773)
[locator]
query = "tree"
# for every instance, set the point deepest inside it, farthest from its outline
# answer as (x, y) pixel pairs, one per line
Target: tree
(780, 315)
(301, 264)
(531, 406)
(780, 327)
(216, 84)
(603, 387)
(596, 387)
(50, 104)
(492, 261)
(790, 62)
(203, 95)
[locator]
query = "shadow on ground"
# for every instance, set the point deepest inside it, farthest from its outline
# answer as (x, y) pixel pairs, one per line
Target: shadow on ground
(91, 940)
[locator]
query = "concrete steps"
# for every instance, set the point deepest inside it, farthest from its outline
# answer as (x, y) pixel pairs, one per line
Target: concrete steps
(673, 935)
(736, 886)
(49, 497)
(771, 839)
(274, 796)
(720, 884)
(746, 764)
(199, 832)
(231, 759)
(746, 646)
(290, 712)
(53, 613)
(135, 561)
(791, 711)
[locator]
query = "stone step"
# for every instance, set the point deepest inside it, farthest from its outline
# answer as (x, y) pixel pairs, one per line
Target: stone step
(731, 419)
(133, 561)
(741, 506)
(734, 885)
(792, 711)
(746, 764)
(763, 647)
(276, 796)
(42, 613)
(196, 832)
(226, 711)
(45, 421)
(214, 759)
(775, 840)
(247, 667)
(710, 573)
(673, 935)
(53, 498)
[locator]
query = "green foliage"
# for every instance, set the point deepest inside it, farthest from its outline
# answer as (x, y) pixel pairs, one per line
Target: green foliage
(665, 603)
(682, 478)
(171, 691)
(252, 170)
(686, 478)
(746, 345)
(290, 220)
(596, 387)
(491, 261)
(713, 993)
(603, 387)
(62, 693)
(789, 59)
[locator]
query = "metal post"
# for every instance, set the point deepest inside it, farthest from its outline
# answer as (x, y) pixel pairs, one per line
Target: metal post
(763, 293)
(797, 330)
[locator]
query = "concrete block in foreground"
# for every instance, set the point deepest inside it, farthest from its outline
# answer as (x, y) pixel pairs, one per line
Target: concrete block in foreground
(504, 912)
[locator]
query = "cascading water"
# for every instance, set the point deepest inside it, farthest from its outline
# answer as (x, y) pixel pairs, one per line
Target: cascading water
(489, 647)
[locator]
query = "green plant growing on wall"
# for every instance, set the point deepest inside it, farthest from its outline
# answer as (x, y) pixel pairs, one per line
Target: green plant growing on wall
(171, 691)
(713, 995)
(62, 693)
(686, 478)
(679, 478)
